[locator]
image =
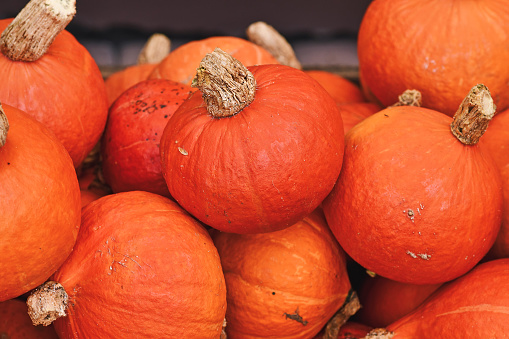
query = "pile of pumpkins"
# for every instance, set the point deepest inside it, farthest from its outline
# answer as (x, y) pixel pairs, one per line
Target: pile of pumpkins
(221, 190)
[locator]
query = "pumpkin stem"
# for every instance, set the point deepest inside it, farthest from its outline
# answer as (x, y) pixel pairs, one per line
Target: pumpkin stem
(4, 126)
(349, 308)
(223, 334)
(473, 115)
(155, 50)
(410, 97)
(269, 38)
(227, 85)
(47, 303)
(379, 333)
(33, 30)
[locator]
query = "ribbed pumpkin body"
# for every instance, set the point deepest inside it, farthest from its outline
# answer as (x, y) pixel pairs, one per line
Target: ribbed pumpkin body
(264, 168)
(63, 89)
(341, 89)
(122, 80)
(413, 203)
(141, 268)
(354, 112)
(40, 209)
(284, 284)
(16, 324)
(440, 48)
(181, 64)
(130, 144)
(473, 306)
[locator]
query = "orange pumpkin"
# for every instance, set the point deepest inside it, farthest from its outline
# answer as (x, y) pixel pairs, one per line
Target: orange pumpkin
(473, 306)
(45, 72)
(40, 209)
(181, 64)
(242, 155)
(293, 280)
(16, 324)
(157, 276)
(130, 143)
(341, 89)
(354, 112)
(440, 48)
(419, 192)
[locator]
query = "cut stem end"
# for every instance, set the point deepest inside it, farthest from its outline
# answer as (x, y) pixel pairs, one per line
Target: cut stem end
(47, 303)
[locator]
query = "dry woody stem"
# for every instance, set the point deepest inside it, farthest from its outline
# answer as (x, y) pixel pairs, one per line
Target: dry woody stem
(155, 50)
(227, 85)
(410, 97)
(34, 29)
(4, 126)
(473, 115)
(47, 303)
(379, 333)
(269, 38)
(349, 308)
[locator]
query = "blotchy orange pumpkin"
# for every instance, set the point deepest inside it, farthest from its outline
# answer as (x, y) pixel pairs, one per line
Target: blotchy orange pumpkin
(440, 48)
(41, 206)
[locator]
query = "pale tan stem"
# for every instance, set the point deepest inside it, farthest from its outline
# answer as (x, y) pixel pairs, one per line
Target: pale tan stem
(410, 97)
(473, 115)
(33, 30)
(155, 49)
(269, 38)
(349, 308)
(379, 333)
(223, 334)
(4, 126)
(47, 303)
(227, 85)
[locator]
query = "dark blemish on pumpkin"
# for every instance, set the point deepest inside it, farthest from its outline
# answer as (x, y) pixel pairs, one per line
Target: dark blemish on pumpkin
(165, 116)
(295, 316)
(387, 115)
(155, 133)
(162, 106)
(8, 163)
(150, 109)
(141, 103)
(146, 139)
(273, 293)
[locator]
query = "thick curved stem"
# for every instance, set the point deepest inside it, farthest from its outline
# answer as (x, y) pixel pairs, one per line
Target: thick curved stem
(4, 127)
(155, 49)
(47, 303)
(473, 116)
(349, 308)
(226, 84)
(34, 29)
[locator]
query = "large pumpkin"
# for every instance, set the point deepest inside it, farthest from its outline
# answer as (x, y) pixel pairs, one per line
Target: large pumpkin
(16, 324)
(40, 209)
(255, 150)
(440, 48)
(130, 143)
(294, 280)
(142, 268)
(473, 306)
(413, 203)
(47, 73)
(181, 64)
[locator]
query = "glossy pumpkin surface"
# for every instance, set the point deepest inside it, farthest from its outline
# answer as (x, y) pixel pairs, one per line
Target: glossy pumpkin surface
(41, 206)
(341, 89)
(141, 267)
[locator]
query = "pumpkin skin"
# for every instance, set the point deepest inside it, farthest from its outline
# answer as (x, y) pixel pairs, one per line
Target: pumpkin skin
(181, 64)
(385, 301)
(437, 47)
(156, 276)
(252, 172)
(40, 196)
(66, 90)
(496, 140)
(300, 270)
(473, 306)
(354, 112)
(15, 322)
(122, 80)
(426, 206)
(341, 89)
(130, 144)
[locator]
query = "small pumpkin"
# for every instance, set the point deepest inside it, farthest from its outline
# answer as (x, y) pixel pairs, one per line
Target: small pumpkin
(293, 280)
(354, 112)
(242, 154)
(155, 49)
(130, 143)
(48, 74)
(41, 208)
(418, 191)
(439, 48)
(157, 276)
(181, 64)
(16, 324)
(472, 306)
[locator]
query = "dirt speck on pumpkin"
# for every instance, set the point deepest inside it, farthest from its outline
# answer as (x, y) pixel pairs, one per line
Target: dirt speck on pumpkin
(182, 151)
(296, 316)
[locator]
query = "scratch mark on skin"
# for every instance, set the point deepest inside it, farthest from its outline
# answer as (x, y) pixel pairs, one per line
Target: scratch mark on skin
(423, 256)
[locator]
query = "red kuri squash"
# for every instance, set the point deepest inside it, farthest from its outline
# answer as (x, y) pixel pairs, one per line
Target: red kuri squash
(256, 149)
(418, 200)
(141, 268)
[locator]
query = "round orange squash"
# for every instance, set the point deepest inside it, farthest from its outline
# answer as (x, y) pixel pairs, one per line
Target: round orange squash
(418, 200)
(41, 206)
(440, 48)
(284, 284)
(141, 268)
